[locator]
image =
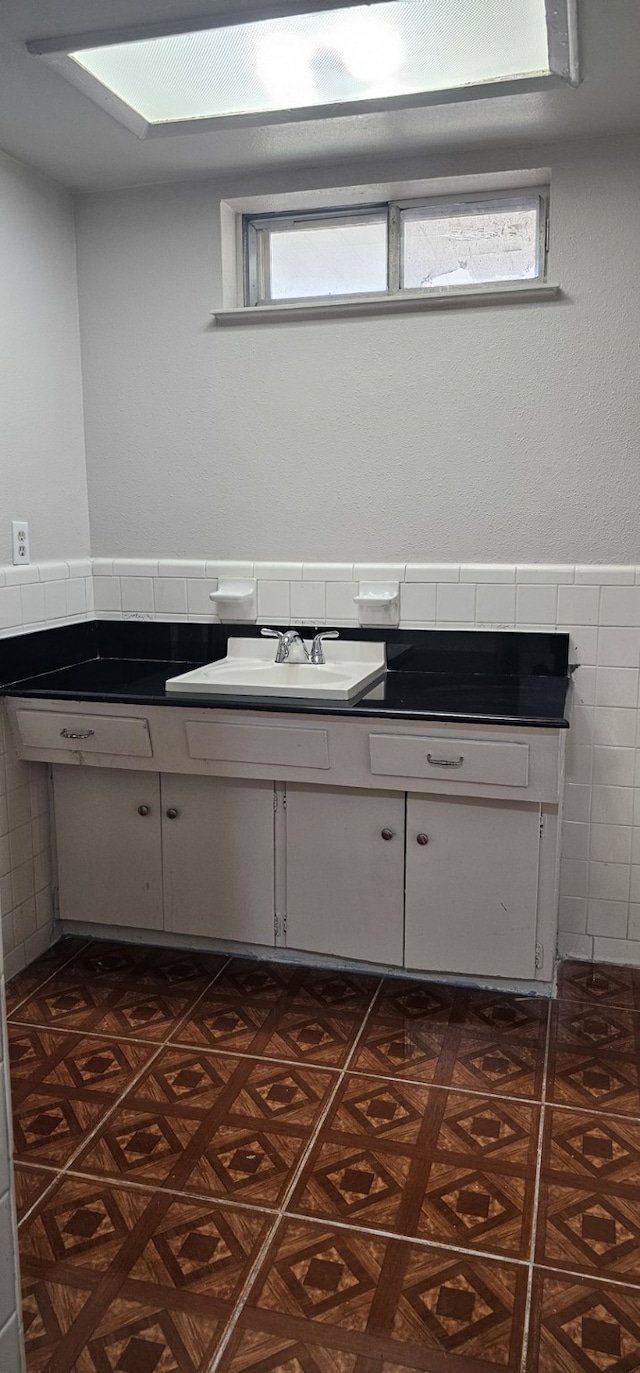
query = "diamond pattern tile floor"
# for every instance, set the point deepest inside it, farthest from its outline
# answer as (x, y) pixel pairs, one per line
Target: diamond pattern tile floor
(250, 1167)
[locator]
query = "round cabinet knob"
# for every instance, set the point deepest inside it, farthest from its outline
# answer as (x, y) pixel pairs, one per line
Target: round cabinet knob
(387, 834)
(172, 813)
(423, 839)
(143, 810)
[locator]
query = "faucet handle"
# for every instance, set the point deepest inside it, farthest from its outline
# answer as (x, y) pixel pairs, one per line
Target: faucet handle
(317, 652)
(282, 649)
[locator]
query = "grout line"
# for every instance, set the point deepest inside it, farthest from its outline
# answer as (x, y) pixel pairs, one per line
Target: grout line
(113, 1180)
(331, 1222)
(45, 1193)
(536, 1198)
(443, 1087)
(34, 990)
(596, 1277)
(241, 1301)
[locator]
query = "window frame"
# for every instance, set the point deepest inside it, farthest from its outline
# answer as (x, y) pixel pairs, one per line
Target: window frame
(256, 231)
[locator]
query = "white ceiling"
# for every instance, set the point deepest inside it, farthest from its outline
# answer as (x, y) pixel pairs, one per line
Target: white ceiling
(49, 124)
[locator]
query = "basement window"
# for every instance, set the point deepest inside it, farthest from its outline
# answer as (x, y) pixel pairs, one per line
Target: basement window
(396, 251)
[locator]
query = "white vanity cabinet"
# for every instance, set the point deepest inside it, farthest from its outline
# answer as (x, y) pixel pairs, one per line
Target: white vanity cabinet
(192, 855)
(109, 844)
(425, 845)
(472, 886)
(217, 850)
(344, 891)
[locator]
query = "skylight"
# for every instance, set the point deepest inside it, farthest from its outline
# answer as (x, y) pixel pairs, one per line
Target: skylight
(359, 54)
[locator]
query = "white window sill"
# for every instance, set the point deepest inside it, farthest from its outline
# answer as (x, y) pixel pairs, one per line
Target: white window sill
(407, 303)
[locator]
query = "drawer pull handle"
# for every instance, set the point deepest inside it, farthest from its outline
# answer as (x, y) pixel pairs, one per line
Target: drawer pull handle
(172, 813)
(445, 762)
(143, 810)
(387, 834)
(80, 734)
(422, 839)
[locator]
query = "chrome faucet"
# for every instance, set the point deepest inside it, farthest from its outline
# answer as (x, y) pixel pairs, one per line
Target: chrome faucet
(291, 649)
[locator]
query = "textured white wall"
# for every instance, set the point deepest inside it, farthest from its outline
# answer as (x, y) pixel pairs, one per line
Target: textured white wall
(42, 467)
(500, 434)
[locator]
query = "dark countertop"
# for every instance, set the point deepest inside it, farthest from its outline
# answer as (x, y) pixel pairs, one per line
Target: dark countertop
(537, 701)
(487, 677)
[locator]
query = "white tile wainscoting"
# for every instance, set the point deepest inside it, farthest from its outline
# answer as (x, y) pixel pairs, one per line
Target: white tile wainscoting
(599, 606)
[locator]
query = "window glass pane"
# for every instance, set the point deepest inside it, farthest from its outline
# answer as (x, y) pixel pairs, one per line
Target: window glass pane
(461, 248)
(328, 260)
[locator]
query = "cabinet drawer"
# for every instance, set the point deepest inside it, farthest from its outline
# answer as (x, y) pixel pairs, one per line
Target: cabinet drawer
(453, 760)
(115, 734)
(263, 744)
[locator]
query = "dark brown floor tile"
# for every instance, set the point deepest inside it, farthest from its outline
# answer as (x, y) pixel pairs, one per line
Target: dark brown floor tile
(182, 1079)
(399, 1050)
(494, 1064)
(513, 1019)
(601, 984)
(260, 1351)
(601, 1081)
(594, 1029)
(56, 1063)
(370, 1109)
(581, 1325)
(274, 1093)
(591, 1149)
(388, 1300)
(80, 1225)
(51, 1127)
(258, 1091)
(213, 1125)
(410, 1002)
(117, 1279)
(337, 990)
(589, 1231)
(476, 1209)
(454, 1056)
(313, 1036)
(493, 1132)
(29, 1184)
(140, 1145)
(349, 1182)
(246, 1164)
(388, 1189)
(227, 1025)
(48, 1312)
(67, 1002)
(25, 983)
(133, 1333)
(154, 968)
(253, 980)
(143, 1014)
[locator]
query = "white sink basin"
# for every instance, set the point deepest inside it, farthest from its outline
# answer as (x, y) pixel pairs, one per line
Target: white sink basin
(250, 670)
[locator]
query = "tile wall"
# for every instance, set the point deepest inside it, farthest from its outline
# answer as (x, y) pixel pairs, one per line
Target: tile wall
(38, 596)
(42, 595)
(599, 606)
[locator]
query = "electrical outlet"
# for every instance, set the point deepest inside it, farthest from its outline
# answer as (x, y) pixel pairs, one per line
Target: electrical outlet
(20, 541)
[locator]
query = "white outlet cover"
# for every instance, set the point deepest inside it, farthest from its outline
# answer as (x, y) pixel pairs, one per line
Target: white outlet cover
(20, 542)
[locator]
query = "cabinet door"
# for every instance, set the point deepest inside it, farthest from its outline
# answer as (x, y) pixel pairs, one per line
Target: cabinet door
(218, 857)
(472, 888)
(344, 880)
(109, 855)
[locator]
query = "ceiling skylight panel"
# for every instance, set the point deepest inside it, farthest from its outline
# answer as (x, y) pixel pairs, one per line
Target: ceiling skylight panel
(362, 53)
